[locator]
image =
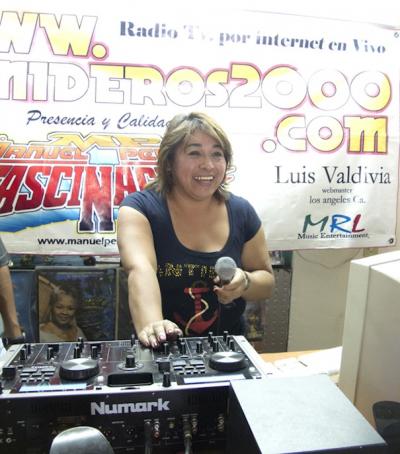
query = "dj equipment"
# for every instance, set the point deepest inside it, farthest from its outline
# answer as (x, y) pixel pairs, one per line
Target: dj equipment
(142, 400)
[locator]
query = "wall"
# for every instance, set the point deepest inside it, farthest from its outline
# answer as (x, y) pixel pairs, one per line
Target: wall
(319, 279)
(318, 294)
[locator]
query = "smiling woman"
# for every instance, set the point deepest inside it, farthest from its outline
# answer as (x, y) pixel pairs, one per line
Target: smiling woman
(171, 234)
(199, 167)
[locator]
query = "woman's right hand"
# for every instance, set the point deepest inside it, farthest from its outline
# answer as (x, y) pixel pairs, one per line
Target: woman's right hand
(156, 333)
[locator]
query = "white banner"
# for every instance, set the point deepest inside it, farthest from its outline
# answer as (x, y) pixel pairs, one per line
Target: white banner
(311, 107)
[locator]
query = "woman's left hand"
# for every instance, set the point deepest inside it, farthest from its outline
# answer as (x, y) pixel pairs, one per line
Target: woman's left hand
(234, 289)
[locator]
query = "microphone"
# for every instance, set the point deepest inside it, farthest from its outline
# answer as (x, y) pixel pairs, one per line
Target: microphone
(225, 267)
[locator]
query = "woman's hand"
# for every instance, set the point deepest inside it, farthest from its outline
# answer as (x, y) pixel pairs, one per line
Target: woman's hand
(154, 334)
(234, 289)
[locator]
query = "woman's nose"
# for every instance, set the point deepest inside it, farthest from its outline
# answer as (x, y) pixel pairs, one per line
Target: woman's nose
(206, 162)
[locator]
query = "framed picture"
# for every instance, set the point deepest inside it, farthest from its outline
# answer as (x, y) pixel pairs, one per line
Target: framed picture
(24, 287)
(124, 320)
(76, 302)
(255, 321)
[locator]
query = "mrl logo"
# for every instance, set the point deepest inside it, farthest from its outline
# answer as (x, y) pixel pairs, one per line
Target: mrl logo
(117, 409)
(337, 223)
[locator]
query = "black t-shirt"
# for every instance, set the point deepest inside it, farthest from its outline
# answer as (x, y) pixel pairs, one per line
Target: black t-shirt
(186, 276)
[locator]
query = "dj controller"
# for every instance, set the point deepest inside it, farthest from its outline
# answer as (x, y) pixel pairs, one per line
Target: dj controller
(140, 399)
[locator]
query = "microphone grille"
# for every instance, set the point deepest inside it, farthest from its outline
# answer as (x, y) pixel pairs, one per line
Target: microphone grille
(225, 267)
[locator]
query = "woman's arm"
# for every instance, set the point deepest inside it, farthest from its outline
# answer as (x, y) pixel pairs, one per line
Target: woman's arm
(255, 280)
(138, 257)
(256, 262)
(7, 305)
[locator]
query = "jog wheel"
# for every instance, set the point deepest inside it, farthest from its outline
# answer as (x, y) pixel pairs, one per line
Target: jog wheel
(228, 361)
(79, 369)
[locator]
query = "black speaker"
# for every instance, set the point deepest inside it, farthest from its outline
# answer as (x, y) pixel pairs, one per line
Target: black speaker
(387, 420)
(296, 414)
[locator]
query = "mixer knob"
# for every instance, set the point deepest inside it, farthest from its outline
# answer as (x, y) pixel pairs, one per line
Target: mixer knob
(94, 351)
(81, 341)
(228, 361)
(166, 380)
(97, 345)
(215, 346)
(28, 348)
(199, 347)
(77, 351)
(23, 354)
(164, 365)
(183, 348)
(79, 369)
(133, 339)
(49, 353)
(210, 337)
(232, 345)
(225, 335)
(166, 348)
(130, 362)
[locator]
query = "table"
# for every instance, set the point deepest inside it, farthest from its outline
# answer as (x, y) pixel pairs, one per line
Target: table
(271, 357)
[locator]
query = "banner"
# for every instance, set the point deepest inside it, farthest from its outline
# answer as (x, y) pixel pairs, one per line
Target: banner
(311, 107)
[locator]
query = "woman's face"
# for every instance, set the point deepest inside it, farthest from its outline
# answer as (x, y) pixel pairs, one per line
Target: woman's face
(64, 310)
(199, 167)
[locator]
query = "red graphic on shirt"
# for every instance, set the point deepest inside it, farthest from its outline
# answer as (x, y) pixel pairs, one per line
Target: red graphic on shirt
(196, 323)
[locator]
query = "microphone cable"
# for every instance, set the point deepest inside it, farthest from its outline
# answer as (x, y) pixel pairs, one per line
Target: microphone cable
(187, 435)
(148, 444)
